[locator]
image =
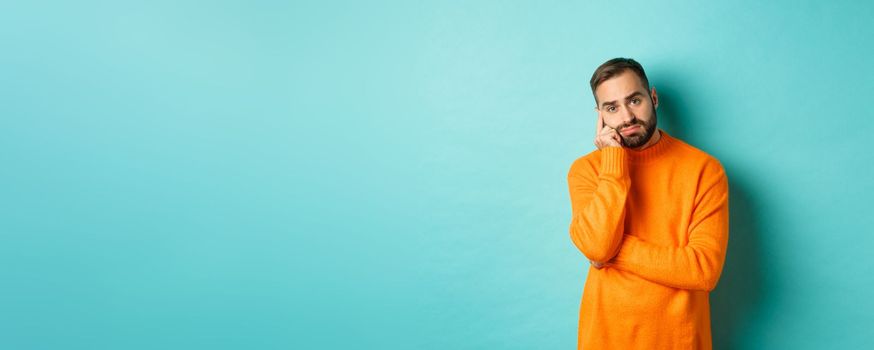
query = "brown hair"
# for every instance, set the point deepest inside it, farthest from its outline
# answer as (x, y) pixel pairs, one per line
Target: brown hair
(613, 68)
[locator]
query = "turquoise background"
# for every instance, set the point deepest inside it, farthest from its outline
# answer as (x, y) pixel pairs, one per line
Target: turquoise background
(392, 175)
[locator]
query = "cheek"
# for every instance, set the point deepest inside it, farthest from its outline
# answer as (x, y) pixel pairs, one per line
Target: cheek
(644, 113)
(612, 121)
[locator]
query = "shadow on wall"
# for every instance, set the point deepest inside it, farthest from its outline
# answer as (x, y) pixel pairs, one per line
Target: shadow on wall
(735, 301)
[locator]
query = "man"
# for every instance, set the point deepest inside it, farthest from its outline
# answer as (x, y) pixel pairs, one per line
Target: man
(650, 212)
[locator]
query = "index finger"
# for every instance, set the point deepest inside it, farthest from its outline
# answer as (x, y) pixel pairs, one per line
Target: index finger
(600, 123)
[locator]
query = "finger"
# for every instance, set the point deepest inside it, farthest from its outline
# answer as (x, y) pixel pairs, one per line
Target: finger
(608, 132)
(605, 129)
(600, 126)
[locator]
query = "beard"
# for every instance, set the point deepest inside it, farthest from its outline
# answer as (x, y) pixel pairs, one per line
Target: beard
(637, 140)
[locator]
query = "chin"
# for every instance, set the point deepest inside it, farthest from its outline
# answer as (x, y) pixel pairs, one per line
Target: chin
(636, 140)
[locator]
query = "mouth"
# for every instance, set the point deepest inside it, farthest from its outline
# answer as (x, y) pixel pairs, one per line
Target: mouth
(630, 130)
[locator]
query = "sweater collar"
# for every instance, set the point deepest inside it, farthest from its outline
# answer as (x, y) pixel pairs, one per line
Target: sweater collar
(654, 151)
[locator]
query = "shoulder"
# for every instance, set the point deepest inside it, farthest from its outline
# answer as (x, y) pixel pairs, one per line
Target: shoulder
(586, 164)
(710, 176)
(705, 162)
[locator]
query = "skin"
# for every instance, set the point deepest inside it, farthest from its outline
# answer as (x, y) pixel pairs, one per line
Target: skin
(624, 102)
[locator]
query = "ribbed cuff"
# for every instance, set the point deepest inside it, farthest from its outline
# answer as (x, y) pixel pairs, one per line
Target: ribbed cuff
(614, 161)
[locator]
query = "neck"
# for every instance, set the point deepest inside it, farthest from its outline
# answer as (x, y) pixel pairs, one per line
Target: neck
(652, 140)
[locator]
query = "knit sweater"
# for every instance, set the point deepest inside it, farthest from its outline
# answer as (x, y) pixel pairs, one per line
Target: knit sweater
(659, 219)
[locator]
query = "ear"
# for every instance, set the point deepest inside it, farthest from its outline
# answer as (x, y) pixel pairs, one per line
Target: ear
(655, 97)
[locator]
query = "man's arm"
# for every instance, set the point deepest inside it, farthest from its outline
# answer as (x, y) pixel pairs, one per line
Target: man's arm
(598, 205)
(697, 265)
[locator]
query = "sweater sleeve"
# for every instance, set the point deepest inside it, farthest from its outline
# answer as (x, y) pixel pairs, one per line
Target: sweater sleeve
(598, 205)
(697, 265)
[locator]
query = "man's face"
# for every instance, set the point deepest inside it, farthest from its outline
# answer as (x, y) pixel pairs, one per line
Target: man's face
(626, 106)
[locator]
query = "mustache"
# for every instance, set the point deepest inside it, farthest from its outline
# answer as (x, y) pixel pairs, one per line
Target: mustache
(623, 127)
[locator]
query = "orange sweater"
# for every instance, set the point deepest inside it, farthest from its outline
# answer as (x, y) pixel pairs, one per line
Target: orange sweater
(659, 218)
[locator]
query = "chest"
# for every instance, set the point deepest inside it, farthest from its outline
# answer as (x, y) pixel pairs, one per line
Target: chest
(660, 205)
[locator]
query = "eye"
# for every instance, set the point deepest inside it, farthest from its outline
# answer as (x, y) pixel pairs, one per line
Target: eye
(635, 101)
(611, 108)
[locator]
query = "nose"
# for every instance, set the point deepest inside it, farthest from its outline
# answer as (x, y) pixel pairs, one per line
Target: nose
(627, 116)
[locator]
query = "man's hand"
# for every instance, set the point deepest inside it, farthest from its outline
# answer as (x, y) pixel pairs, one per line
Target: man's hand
(606, 136)
(599, 265)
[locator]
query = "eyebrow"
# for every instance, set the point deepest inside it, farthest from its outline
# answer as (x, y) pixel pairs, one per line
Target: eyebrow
(636, 93)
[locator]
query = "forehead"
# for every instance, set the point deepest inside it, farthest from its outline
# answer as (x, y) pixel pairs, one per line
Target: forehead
(619, 86)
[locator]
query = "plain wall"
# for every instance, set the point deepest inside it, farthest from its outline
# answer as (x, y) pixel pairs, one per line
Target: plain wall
(392, 175)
